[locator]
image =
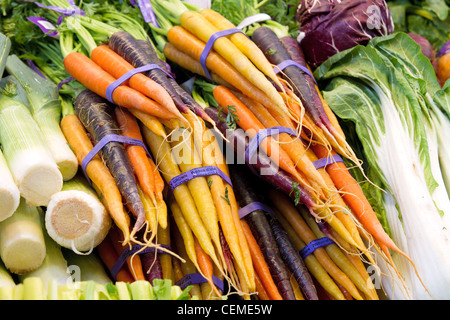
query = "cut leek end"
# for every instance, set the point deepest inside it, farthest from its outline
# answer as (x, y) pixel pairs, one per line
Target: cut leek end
(24, 254)
(76, 220)
(68, 167)
(9, 201)
(39, 182)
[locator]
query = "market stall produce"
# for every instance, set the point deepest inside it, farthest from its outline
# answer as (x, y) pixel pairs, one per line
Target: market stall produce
(220, 150)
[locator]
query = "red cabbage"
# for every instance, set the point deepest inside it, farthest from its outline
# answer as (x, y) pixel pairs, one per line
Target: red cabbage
(330, 26)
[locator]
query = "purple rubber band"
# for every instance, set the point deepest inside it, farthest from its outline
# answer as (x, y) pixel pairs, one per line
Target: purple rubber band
(195, 173)
(113, 86)
(287, 63)
(127, 252)
(68, 12)
(253, 207)
(445, 49)
(104, 141)
(315, 244)
(147, 12)
(34, 68)
(326, 161)
(41, 23)
(196, 278)
(64, 81)
(260, 136)
(209, 45)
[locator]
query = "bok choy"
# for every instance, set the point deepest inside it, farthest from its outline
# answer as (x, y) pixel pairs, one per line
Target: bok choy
(388, 93)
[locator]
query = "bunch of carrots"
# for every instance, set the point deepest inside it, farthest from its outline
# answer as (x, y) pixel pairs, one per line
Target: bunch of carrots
(195, 227)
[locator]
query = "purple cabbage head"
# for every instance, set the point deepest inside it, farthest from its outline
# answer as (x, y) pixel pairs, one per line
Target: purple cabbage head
(327, 27)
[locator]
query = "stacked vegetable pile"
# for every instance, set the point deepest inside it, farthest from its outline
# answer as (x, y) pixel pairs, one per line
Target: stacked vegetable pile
(172, 151)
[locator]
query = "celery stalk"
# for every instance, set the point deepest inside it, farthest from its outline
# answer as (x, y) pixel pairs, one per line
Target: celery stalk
(141, 290)
(45, 106)
(30, 162)
(22, 244)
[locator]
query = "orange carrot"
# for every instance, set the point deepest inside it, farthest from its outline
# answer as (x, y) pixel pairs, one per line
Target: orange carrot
(205, 264)
(133, 262)
(262, 293)
(117, 66)
(109, 257)
(103, 181)
(248, 122)
(88, 73)
(192, 46)
(355, 198)
(261, 268)
(143, 170)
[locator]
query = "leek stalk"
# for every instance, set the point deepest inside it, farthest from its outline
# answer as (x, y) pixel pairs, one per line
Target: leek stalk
(9, 193)
(31, 164)
(45, 107)
(75, 218)
(22, 244)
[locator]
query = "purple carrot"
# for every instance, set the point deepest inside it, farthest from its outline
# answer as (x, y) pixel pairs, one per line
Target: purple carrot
(243, 186)
(293, 260)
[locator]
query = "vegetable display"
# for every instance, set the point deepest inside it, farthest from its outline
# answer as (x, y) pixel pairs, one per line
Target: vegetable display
(222, 150)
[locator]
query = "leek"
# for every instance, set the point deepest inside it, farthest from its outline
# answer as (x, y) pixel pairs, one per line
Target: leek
(75, 218)
(9, 193)
(22, 244)
(5, 46)
(90, 266)
(45, 106)
(54, 267)
(6, 280)
(34, 170)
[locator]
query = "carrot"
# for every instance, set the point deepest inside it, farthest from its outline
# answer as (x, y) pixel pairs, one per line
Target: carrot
(260, 290)
(336, 254)
(186, 156)
(198, 25)
(88, 73)
(125, 45)
(184, 247)
(206, 266)
(292, 145)
(243, 43)
(356, 200)
(102, 180)
(293, 260)
(117, 66)
(244, 185)
(319, 274)
(133, 262)
(109, 257)
(186, 62)
(165, 259)
(139, 159)
(261, 268)
(442, 69)
(192, 46)
(287, 209)
(210, 156)
(169, 169)
(248, 122)
(97, 116)
(149, 121)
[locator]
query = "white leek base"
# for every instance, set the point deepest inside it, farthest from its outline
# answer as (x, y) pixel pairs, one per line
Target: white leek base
(76, 220)
(36, 174)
